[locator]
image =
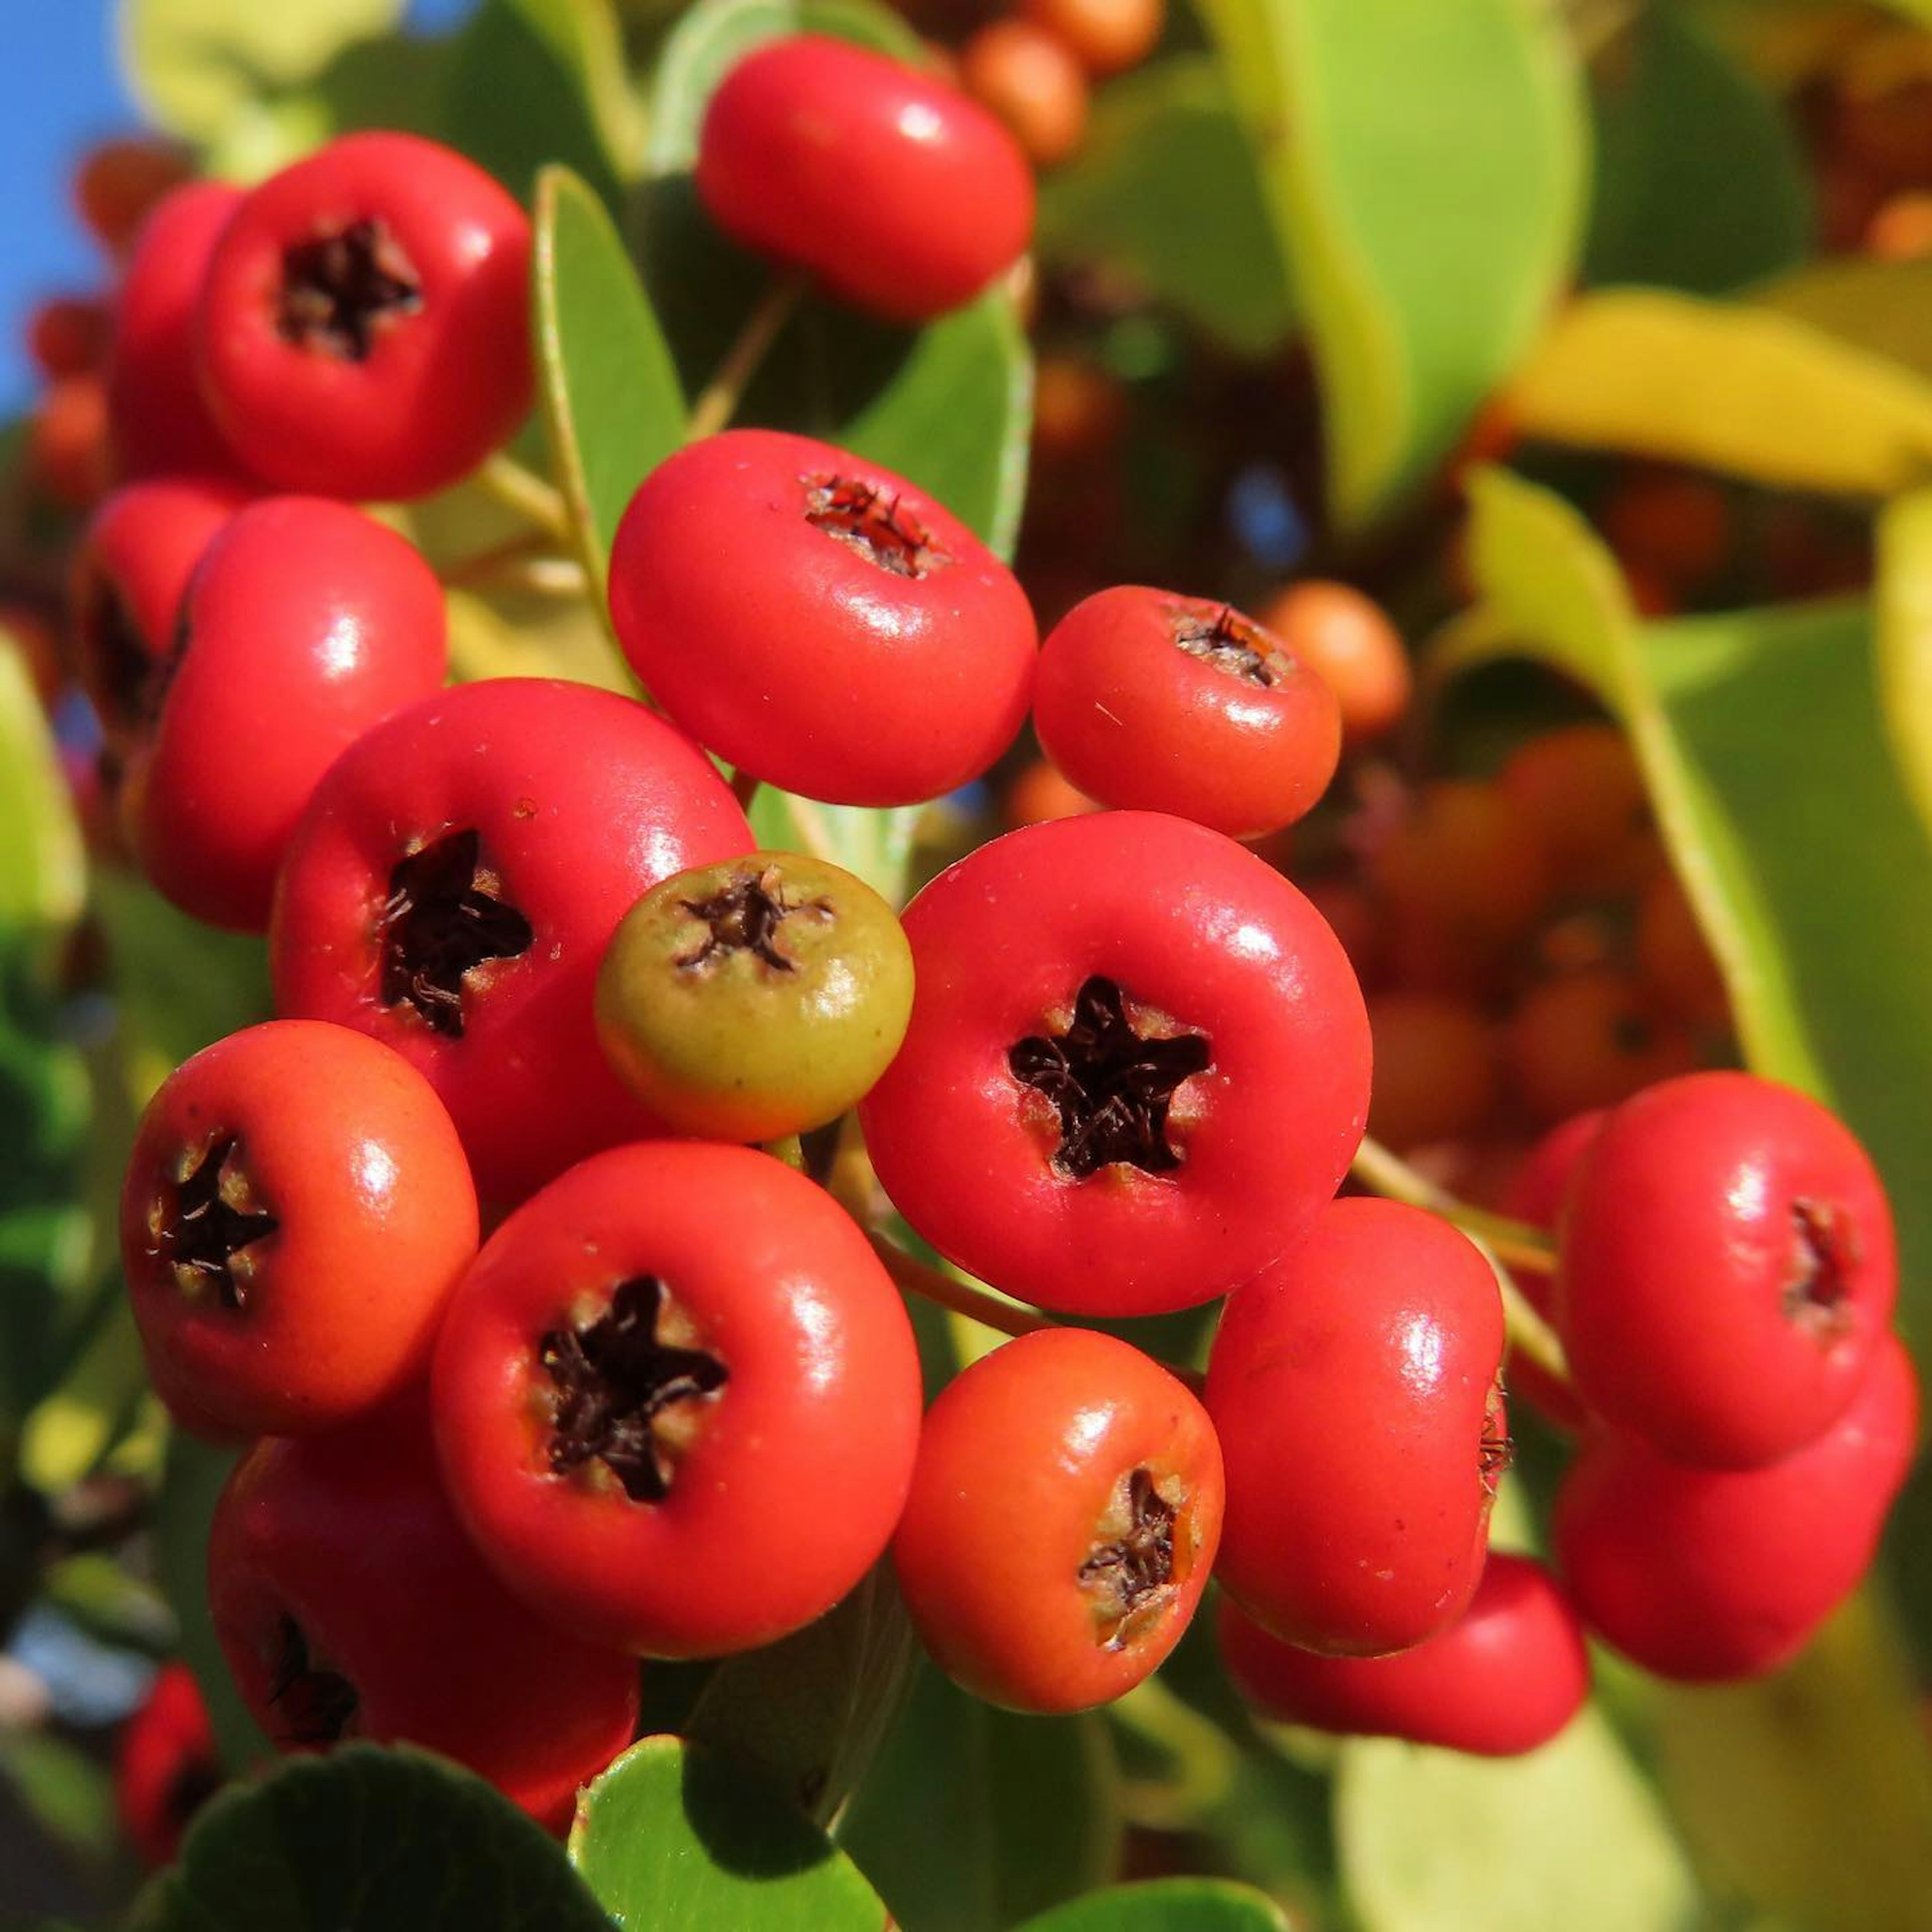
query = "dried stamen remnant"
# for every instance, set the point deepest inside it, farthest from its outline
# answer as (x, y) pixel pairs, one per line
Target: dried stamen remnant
(1230, 642)
(745, 917)
(1497, 1450)
(1824, 1254)
(879, 527)
(203, 1224)
(1112, 1086)
(1130, 1576)
(629, 1389)
(445, 915)
(340, 290)
(312, 1705)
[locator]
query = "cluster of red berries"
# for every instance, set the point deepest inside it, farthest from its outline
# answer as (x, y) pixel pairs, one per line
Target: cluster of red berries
(533, 975)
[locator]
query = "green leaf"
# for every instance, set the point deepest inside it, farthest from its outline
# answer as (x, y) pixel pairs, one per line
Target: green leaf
(673, 1836)
(194, 65)
(43, 868)
(1166, 1905)
(533, 82)
(1870, 305)
(873, 845)
(973, 1818)
(1729, 387)
(1569, 1836)
(68, 1792)
(191, 1484)
(612, 403)
(1904, 620)
(811, 1711)
(377, 1841)
(1163, 144)
(1700, 184)
(1424, 166)
(949, 405)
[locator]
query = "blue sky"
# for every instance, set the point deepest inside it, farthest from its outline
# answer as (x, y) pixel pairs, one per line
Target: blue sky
(59, 90)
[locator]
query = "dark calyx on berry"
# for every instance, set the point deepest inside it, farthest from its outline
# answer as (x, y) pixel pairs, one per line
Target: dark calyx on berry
(1824, 1255)
(126, 680)
(1497, 1449)
(1230, 644)
(1111, 1086)
(626, 1386)
(312, 1705)
(744, 917)
(341, 290)
(878, 527)
(207, 1217)
(445, 917)
(1133, 1572)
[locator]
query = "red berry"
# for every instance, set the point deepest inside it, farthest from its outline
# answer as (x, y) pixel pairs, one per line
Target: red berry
(1137, 1067)
(1437, 1072)
(166, 1766)
(898, 194)
(67, 455)
(454, 883)
(1728, 1268)
(1354, 1388)
(1590, 1038)
(117, 183)
(1581, 790)
(1506, 1676)
(677, 1400)
(364, 327)
(157, 422)
(1536, 1193)
(306, 621)
(295, 1213)
(1164, 703)
(125, 590)
(350, 1603)
(817, 620)
(67, 335)
(1063, 1516)
(1707, 1574)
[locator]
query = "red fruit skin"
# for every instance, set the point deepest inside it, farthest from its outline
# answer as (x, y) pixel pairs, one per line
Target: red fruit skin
(783, 649)
(789, 1491)
(1708, 1575)
(441, 385)
(67, 335)
(1679, 1248)
(140, 547)
(1353, 1386)
(944, 199)
(1507, 1676)
(306, 623)
(1019, 1460)
(582, 801)
(1186, 923)
(157, 423)
(350, 1535)
(345, 1146)
(1138, 722)
(166, 1765)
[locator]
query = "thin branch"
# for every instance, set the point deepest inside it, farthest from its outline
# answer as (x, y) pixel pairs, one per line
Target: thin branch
(535, 500)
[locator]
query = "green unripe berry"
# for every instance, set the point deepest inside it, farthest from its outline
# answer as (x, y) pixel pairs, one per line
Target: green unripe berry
(754, 998)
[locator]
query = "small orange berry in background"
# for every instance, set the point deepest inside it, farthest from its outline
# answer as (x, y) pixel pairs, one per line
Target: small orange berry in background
(116, 182)
(67, 335)
(1673, 963)
(1349, 908)
(1437, 1071)
(1579, 788)
(1039, 793)
(1348, 641)
(1104, 36)
(1078, 411)
(1901, 229)
(1590, 1039)
(66, 441)
(1028, 79)
(1670, 523)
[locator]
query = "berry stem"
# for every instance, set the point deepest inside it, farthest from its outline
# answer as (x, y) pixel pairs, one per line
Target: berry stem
(532, 498)
(525, 563)
(975, 1303)
(745, 787)
(1508, 1244)
(786, 1149)
(718, 402)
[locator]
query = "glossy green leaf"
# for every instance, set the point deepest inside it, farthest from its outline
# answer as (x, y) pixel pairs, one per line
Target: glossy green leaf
(973, 1818)
(873, 845)
(43, 870)
(194, 64)
(949, 405)
(1904, 618)
(675, 1838)
(812, 1710)
(1424, 166)
(1165, 1905)
(611, 399)
(1569, 1836)
(536, 81)
(375, 1840)
(1700, 181)
(1163, 145)
(1727, 386)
